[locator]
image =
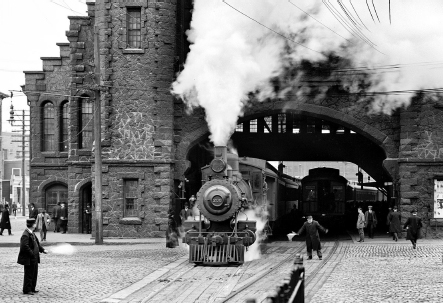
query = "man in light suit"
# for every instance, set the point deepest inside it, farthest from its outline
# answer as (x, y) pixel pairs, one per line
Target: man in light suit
(361, 224)
(29, 256)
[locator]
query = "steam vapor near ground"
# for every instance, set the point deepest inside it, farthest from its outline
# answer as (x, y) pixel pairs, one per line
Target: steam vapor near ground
(259, 215)
(240, 47)
(63, 249)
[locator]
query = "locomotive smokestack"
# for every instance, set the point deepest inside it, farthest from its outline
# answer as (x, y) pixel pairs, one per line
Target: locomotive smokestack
(220, 152)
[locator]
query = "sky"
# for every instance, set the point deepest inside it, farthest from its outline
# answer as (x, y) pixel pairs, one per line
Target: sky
(25, 36)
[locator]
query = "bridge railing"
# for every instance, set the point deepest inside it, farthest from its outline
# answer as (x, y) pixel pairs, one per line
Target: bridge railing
(292, 288)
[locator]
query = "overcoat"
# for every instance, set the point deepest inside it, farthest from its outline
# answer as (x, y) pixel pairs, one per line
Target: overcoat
(395, 222)
(361, 221)
(33, 213)
(5, 223)
(56, 212)
(413, 224)
(40, 219)
(374, 219)
(26, 254)
(312, 236)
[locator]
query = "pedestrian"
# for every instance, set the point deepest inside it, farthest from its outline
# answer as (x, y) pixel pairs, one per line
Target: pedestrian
(14, 209)
(172, 232)
(5, 222)
(56, 217)
(88, 219)
(388, 223)
(63, 218)
(395, 223)
(370, 221)
(42, 224)
(29, 256)
(412, 226)
(361, 224)
(312, 236)
(33, 212)
(185, 213)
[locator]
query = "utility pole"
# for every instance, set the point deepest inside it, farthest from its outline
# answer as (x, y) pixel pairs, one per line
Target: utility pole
(97, 145)
(24, 131)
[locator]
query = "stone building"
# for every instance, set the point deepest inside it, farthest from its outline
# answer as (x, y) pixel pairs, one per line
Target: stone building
(150, 144)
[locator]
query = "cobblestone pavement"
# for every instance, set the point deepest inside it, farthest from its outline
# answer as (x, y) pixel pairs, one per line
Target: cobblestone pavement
(89, 275)
(386, 273)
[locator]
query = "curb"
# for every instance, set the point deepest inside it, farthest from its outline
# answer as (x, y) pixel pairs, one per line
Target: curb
(82, 243)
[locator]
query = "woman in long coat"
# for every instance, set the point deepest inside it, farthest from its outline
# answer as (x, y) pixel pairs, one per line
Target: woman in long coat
(5, 223)
(412, 226)
(395, 223)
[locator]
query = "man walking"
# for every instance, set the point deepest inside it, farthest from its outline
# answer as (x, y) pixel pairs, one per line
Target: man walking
(395, 223)
(63, 218)
(14, 209)
(42, 224)
(88, 219)
(412, 226)
(312, 237)
(56, 217)
(33, 212)
(29, 256)
(5, 222)
(361, 224)
(371, 221)
(185, 213)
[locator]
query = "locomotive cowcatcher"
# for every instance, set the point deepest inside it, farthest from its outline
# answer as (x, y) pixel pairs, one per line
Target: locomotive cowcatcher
(214, 234)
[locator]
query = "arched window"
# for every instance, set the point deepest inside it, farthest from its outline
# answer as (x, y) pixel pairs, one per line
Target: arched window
(55, 194)
(86, 124)
(48, 115)
(64, 125)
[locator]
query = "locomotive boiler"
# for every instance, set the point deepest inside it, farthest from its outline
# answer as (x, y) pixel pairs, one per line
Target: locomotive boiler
(214, 234)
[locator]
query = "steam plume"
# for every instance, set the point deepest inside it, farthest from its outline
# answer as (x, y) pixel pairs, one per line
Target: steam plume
(235, 51)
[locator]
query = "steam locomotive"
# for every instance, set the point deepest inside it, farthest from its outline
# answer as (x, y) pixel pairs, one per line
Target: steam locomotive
(216, 236)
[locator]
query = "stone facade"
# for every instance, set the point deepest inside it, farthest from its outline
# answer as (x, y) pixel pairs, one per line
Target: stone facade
(147, 136)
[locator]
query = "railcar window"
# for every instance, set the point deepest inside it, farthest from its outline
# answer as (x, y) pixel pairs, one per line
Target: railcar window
(282, 123)
(268, 125)
(310, 126)
(253, 126)
(239, 128)
(325, 128)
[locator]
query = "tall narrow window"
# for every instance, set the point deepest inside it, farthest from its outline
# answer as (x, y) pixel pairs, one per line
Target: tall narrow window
(48, 127)
(130, 190)
(134, 28)
(86, 125)
(64, 123)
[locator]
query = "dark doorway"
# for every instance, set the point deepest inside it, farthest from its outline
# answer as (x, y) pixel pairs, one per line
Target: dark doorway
(57, 193)
(85, 200)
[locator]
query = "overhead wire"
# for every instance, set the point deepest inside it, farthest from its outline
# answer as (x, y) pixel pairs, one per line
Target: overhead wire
(317, 20)
(280, 34)
(370, 11)
(375, 11)
(350, 1)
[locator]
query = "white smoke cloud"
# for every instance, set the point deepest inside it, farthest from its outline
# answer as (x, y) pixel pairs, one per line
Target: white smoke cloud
(232, 55)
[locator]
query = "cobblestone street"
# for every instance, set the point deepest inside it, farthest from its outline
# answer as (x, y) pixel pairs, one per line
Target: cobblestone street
(378, 271)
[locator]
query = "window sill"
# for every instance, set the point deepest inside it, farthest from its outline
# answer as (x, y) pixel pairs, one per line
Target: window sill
(133, 51)
(130, 221)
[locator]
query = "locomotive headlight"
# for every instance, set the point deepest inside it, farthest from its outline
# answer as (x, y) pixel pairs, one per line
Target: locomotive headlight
(217, 200)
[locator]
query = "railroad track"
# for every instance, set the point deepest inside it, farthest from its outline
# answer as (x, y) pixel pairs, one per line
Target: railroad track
(313, 273)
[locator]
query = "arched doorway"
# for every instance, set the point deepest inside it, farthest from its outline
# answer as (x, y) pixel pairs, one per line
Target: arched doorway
(56, 193)
(85, 222)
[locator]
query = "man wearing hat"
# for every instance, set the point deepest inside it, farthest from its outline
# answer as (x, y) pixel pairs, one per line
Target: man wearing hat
(29, 256)
(312, 237)
(412, 226)
(42, 224)
(370, 221)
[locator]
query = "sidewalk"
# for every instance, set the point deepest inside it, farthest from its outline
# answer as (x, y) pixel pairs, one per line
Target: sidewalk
(19, 224)
(384, 238)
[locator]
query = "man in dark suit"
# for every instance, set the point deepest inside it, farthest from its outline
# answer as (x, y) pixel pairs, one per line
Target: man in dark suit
(33, 212)
(370, 221)
(29, 256)
(63, 218)
(56, 217)
(412, 226)
(312, 237)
